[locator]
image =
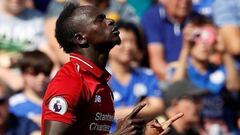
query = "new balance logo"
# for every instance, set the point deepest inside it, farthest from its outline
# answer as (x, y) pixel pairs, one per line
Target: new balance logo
(97, 99)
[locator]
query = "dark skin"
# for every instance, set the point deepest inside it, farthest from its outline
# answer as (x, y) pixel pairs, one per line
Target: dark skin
(98, 35)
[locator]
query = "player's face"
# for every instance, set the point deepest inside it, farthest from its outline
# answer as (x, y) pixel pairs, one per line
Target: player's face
(102, 32)
(14, 6)
(127, 51)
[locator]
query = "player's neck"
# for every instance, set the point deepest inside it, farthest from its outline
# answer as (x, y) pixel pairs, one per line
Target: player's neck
(98, 58)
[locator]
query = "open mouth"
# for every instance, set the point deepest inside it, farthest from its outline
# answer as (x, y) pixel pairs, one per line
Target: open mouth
(115, 30)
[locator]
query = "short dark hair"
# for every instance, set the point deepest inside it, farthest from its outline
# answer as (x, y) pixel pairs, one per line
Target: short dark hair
(35, 61)
(63, 31)
(70, 21)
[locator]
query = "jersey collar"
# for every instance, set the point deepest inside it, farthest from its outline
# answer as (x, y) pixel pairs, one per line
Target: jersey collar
(88, 65)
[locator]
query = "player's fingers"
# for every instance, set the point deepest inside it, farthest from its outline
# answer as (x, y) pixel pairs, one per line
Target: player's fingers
(165, 131)
(136, 110)
(137, 122)
(157, 124)
(167, 123)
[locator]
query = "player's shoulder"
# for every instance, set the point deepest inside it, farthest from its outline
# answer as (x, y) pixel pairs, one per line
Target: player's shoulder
(67, 79)
(68, 71)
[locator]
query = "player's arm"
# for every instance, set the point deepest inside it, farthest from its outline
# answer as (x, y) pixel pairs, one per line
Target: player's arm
(55, 128)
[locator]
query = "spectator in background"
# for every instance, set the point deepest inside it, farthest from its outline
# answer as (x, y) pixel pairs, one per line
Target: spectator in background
(183, 96)
(36, 68)
(200, 41)
(21, 30)
(227, 17)
(11, 124)
(163, 25)
(132, 84)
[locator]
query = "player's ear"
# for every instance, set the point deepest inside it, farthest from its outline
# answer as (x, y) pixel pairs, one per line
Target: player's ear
(81, 40)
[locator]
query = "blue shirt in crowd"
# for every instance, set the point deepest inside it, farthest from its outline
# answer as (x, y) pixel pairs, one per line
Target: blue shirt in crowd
(213, 80)
(27, 107)
(20, 126)
(159, 29)
(214, 105)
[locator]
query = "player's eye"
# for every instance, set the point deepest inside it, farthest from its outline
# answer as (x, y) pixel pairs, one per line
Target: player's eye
(100, 18)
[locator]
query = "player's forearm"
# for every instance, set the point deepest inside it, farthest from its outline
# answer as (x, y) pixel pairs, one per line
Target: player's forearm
(55, 128)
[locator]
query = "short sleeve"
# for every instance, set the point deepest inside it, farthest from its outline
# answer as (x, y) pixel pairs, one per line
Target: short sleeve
(61, 98)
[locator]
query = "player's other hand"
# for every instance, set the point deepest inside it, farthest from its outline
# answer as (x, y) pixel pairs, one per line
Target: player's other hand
(131, 125)
(155, 128)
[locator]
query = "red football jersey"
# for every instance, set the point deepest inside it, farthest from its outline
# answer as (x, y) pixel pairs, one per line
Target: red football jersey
(79, 95)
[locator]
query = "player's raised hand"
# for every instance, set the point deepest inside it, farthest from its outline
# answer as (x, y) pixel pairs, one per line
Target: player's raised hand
(131, 125)
(155, 128)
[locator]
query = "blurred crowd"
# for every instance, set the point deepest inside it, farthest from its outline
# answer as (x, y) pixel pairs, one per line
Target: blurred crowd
(175, 55)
